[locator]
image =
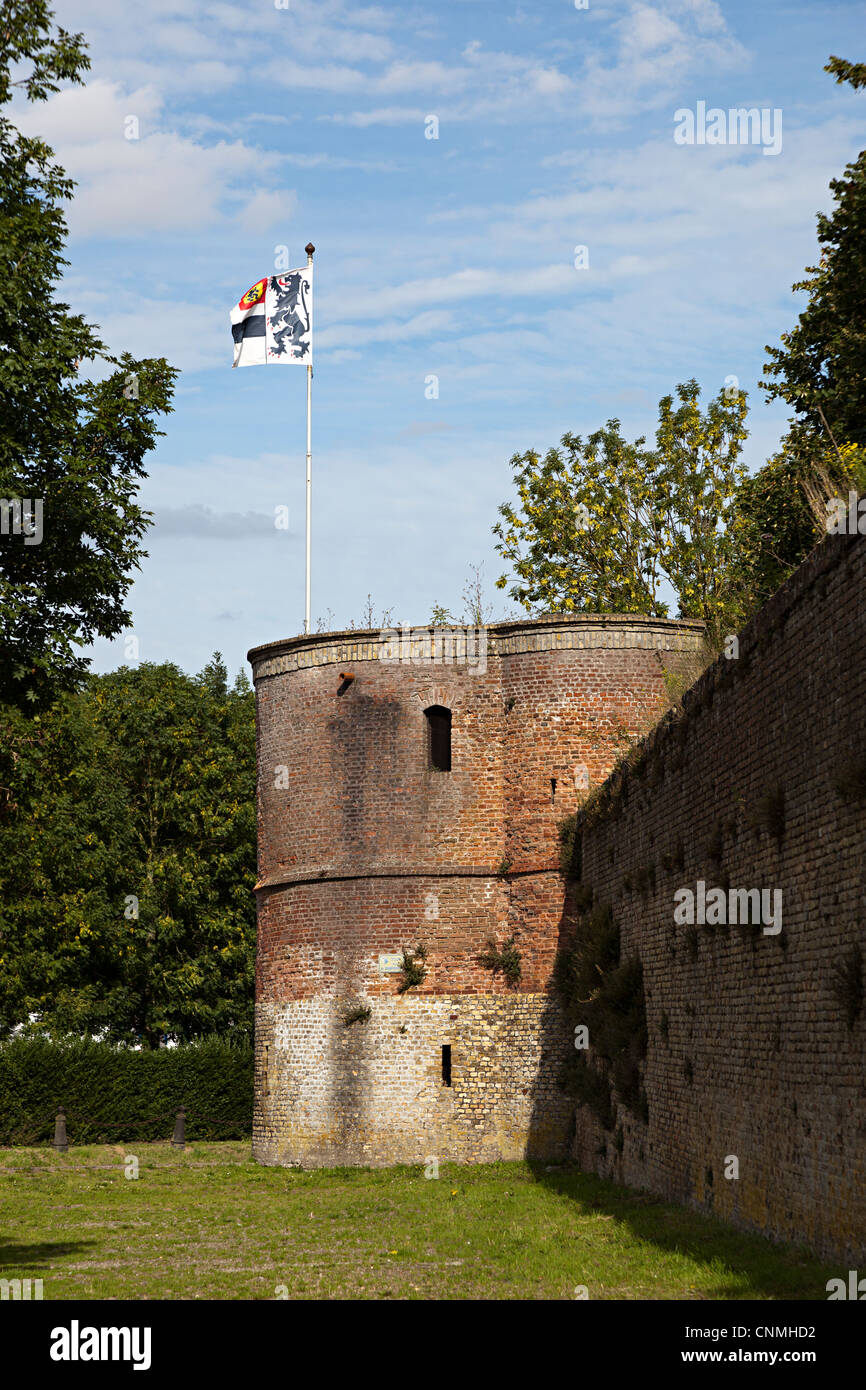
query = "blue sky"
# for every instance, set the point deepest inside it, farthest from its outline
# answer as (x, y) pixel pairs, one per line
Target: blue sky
(262, 127)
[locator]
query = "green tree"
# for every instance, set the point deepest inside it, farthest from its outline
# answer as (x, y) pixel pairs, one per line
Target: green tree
(820, 369)
(777, 529)
(602, 523)
(697, 473)
(127, 858)
(70, 447)
(855, 73)
(782, 509)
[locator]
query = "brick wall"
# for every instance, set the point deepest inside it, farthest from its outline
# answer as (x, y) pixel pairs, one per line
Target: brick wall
(364, 850)
(750, 1054)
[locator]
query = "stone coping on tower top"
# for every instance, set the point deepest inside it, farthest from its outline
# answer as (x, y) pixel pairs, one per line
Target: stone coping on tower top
(550, 632)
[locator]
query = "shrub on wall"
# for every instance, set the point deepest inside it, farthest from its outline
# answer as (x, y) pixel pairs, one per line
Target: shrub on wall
(413, 969)
(507, 960)
(848, 985)
(605, 994)
(114, 1094)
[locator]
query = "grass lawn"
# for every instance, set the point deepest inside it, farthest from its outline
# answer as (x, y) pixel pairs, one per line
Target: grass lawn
(208, 1222)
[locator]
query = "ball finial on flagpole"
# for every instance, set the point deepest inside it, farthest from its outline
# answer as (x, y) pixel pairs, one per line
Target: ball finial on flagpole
(309, 248)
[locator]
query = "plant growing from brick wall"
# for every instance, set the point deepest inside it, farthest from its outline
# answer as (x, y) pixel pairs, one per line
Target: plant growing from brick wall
(645, 879)
(590, 1087)
(610, 799)
(569, 846)
(769, 812)
(606, 995)
(581, 895)
(358, 1013)
(847, 985)
(851, 784)
(413, 969)
(507, 960)
(675, 860)
(676, 685)
(715, 843)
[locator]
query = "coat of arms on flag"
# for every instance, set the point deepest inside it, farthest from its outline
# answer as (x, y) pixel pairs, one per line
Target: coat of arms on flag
(273, 322)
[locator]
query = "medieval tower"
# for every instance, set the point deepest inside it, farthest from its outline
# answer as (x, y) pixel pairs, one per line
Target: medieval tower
(410, 789)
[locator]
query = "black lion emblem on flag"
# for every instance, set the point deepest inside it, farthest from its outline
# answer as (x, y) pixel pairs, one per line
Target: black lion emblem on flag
(290, 321)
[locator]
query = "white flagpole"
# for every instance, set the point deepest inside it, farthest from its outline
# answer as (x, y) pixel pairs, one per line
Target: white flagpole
(309, 248)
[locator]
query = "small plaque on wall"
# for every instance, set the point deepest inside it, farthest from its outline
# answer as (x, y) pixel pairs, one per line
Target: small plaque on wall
(389, 964)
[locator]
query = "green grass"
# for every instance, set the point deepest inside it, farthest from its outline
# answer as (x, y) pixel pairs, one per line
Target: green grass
(208, 1222)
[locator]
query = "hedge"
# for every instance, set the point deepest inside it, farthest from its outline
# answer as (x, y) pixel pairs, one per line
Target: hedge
(114, 1094)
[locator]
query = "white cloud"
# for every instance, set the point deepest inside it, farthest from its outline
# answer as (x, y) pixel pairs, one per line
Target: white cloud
(267, 208)
(460, 285)
(381, 115)
(219, 483)
(82, 116)
(721, 195)
(707, 14)
(435, 77)
(331, 161)
(391, 331)
(190, 336)
(160, 181)
(655, 54)
(550, 81)
(184, 51)
(304, 76)
(181, 38)
(197, 520)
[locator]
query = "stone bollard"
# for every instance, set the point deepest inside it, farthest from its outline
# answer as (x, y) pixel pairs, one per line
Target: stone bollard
(60, 1145)
(179, 1139)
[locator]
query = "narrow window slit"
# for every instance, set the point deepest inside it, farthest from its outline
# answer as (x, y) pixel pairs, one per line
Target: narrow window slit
(439, 737)
(446, 1064)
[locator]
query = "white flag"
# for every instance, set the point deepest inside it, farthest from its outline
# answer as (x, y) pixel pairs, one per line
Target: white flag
(273, 323)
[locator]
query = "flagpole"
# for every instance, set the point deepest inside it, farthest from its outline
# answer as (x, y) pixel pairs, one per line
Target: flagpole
(309, 248)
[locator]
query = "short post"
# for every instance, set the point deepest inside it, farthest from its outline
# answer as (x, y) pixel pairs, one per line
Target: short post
(179, 1139)
(60, 1145)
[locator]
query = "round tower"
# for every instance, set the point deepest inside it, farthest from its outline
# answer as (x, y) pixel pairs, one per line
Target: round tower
(410, 788)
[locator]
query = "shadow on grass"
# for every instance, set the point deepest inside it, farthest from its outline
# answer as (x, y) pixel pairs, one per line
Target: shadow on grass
(759, 1268)
(13, 1256)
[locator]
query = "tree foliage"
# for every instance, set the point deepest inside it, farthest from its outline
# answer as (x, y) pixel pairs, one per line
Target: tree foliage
(777, 528)
(127, 858)
(603, 522)
(855, 73)
(783, 509)
(820, 369)
(76, 446)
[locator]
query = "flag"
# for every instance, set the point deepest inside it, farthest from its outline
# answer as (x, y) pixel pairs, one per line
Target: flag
(273, 322)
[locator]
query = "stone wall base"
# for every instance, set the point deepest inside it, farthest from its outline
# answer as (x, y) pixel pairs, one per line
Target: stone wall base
(373, 1093)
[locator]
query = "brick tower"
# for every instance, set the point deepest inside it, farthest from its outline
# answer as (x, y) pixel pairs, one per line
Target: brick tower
(410, 787)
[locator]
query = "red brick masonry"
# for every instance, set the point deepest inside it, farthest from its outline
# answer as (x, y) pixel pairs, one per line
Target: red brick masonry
(364, 849)
(750, 1052)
